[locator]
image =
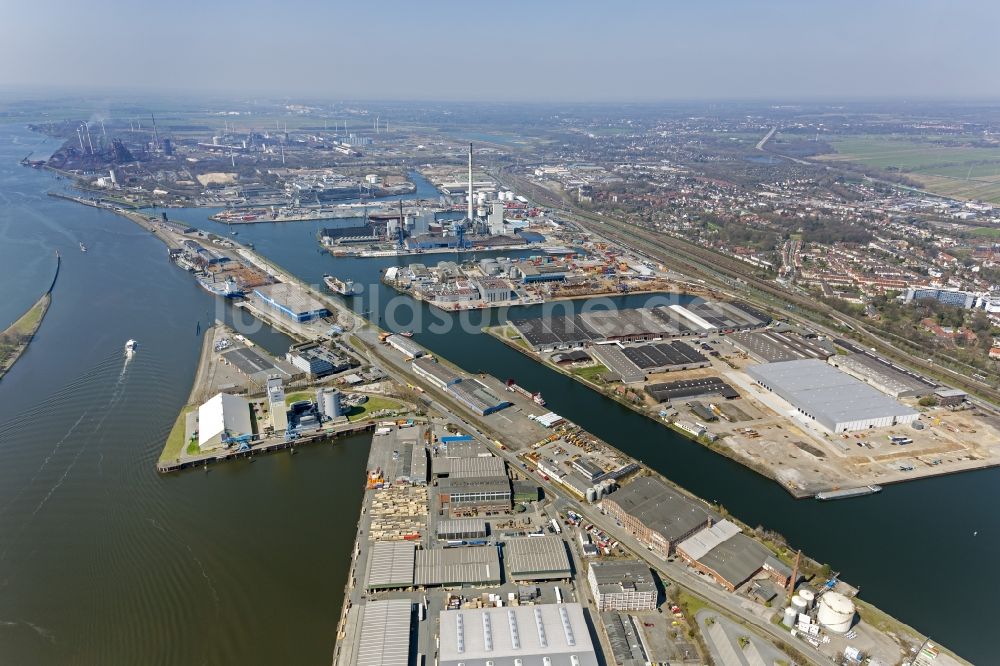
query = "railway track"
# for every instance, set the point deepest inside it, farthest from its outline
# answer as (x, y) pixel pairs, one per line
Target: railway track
(728, 274)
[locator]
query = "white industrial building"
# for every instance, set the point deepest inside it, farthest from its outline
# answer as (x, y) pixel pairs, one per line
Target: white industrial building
(622, 585)
(221, 418)
(276, 404)
(829, 396)
(539, 635)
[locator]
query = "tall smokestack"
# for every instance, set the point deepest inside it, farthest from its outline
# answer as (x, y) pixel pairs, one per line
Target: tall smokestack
(470, 182)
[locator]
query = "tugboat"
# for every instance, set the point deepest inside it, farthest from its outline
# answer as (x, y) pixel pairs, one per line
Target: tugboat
(342, 287)
(83, 248)
(130, 348)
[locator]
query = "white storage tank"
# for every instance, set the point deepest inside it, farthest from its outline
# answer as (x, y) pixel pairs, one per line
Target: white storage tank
(808, 596)
(799, 604)
(788, 619)
(591, 495)
(836, 612)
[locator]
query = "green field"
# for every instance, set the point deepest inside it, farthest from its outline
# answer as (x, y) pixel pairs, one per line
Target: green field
(963, 172)
(374, 404)
(987, 232)
(591, 373)
(175, 440)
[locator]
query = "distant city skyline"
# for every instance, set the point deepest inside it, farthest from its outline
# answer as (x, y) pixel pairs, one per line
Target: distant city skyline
(519, 51)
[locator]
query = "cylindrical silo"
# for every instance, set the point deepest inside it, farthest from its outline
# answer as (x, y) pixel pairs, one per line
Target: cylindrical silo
(788, 619)
(836, 612)
(808, 596)
(799, 604)
(328, 401)
(591, 495)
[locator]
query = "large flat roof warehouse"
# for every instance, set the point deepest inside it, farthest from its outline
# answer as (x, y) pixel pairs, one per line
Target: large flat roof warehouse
(255, 365)
(832, 398)
(538, 635)
(658, 355)
(736, 560)
(385, 633)
(292, 301)
(537, 558)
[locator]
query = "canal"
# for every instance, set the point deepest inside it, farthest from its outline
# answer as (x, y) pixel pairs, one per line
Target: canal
(103, 561)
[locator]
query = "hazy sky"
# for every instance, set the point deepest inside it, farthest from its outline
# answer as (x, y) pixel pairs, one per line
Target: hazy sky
(545, 51)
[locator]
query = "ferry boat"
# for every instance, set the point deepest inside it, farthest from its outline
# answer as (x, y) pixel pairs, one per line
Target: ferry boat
(83, 248)
(342, 287)
(130, 347)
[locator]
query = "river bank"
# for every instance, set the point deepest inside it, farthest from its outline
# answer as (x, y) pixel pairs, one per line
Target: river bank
(14, 340)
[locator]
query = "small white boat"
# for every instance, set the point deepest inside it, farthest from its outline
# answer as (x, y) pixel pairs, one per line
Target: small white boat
(83, 248)
(130, 347)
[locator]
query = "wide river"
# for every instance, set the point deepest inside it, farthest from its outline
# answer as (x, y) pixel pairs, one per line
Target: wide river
(102, 561)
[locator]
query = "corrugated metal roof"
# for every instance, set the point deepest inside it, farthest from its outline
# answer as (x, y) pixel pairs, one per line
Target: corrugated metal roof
(698, 545)
(531, 557)
(391, 564)
(385, 633)
(457, 566)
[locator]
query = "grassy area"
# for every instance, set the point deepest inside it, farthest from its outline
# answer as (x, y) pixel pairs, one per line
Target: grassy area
(691, 604)
(299, 395)
(374, 404)
(964, 172)
(175, 440)
(987, 232)
(25, 326)
(592, 373)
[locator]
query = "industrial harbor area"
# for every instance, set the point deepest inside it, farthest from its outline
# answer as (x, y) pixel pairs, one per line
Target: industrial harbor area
(469, 384)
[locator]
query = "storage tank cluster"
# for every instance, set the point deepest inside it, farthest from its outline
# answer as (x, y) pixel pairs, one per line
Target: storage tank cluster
(489, 267)
(600, 490)
(505, 195)
(329, 402)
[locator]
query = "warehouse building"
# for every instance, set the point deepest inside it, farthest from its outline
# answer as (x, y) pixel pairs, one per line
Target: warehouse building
(730, 557)
(477, 397)
(450, 567)
(691, 388)
(830, 397)
(291, 301)
(886, 377)
(222, 419)
(528, 635)
(949, 397)
(774, 346)
(390, 565)
(258, 367)
(537, 558)
(463, 528)
(434, 372)
(385, 633)
(474, 493)
(471, 467)
(625, 585)
(657, 515)
(405, 346)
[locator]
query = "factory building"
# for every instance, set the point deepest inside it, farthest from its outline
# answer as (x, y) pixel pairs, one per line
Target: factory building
(276, 404)
(657, 515)
(222, 419)
(886, 377)
(528, 635)
(316, 360)
(949, 397)
(291, 301)
(492, 290)
(832, 398)
(537, 558)
(437, 374)
(405, 346)
(626, 585)
(385, 633)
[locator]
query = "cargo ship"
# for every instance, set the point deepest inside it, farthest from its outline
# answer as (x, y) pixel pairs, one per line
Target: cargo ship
(849, 492)
(535, 397)
(342, 287)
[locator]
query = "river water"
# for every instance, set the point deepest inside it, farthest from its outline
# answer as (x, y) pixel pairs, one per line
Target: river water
(103, 561)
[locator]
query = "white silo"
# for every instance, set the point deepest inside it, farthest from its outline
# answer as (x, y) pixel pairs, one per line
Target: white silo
(808, 596)
(591, 495)
(799, 604)
(788, 619)
(328, 401)
(836, 612)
